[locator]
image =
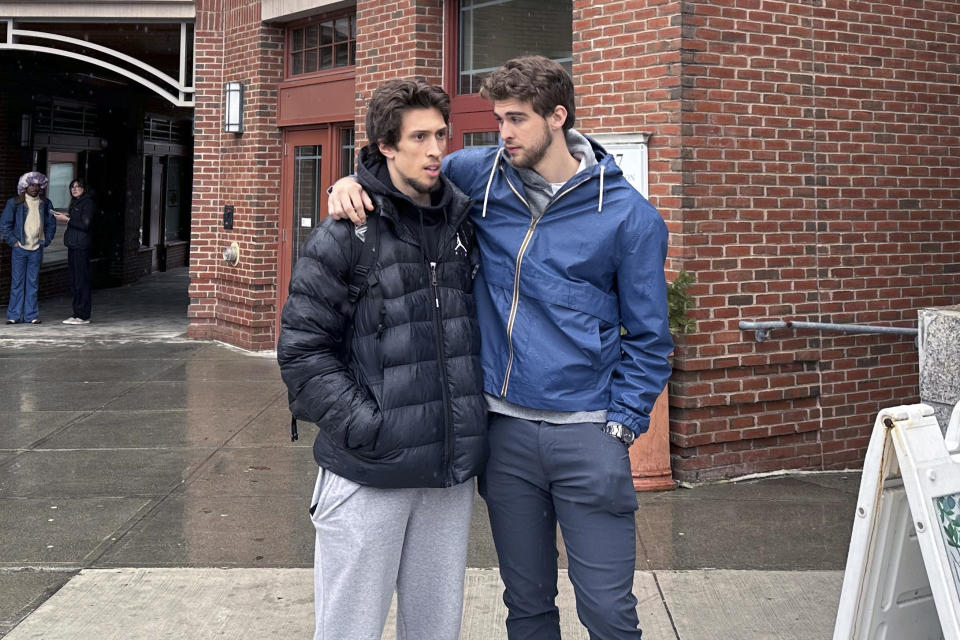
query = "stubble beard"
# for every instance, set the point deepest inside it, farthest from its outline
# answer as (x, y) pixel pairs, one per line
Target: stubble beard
(421, 187)
(532, 155)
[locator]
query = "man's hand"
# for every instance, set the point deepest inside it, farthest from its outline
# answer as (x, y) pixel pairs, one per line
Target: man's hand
(347, 199)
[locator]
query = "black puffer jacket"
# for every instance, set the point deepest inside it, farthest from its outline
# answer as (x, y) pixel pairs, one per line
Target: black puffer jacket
(77, 235)
(396, 390)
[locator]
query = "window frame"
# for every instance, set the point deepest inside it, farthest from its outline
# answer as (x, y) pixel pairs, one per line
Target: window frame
(288, 52)
(469, 113)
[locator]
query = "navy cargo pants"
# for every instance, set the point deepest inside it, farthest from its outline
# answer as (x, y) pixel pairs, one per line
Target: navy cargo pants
(541, 474)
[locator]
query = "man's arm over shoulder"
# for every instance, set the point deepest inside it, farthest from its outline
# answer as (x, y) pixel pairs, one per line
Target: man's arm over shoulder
(468, 167)
(314, 323)
(644, 367)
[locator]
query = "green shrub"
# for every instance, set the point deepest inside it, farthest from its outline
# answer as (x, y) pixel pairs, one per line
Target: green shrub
(679, 302)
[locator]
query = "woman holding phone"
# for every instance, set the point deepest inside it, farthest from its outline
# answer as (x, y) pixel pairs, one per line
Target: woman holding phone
(77, 239)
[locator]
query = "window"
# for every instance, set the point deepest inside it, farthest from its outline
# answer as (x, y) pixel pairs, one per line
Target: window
(481, 36)
(481, 139)
(61, 170)
(325, 44)
(494, 31)
(307, 191)
(347, 147)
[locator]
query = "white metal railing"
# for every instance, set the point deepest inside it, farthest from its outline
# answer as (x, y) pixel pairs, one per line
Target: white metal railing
(763, 329)
(177, 91)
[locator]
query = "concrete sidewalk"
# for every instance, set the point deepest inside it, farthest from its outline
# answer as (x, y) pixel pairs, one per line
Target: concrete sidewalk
(149, 488)
(119, 604)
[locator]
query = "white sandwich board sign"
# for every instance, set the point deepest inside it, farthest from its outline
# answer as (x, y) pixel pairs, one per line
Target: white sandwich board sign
(903, 567)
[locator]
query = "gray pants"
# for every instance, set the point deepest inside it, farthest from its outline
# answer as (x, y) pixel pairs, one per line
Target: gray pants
(371, 542)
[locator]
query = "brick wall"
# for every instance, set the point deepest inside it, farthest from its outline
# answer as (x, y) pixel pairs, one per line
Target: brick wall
(399, 39)
(236, 304)
(16, 160)
(626, 68)
(14, 163)
(821, 181)
(805, 155)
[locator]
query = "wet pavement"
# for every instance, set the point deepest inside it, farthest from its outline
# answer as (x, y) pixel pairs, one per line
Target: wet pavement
(148, 483)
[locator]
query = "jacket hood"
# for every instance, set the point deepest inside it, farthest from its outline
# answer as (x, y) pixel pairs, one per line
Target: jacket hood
(374, 175)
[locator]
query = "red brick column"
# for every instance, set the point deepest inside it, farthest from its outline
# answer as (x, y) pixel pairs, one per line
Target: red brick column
(887, 165)
(398, 39)
(820, 182)
(236, 304)
(626, 68)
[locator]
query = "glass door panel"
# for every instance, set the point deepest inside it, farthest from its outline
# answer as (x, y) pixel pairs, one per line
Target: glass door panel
(312, 160)
(61, 170)
(307, 192)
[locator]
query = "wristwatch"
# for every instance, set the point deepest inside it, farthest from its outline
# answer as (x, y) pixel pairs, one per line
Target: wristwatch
(621, 432)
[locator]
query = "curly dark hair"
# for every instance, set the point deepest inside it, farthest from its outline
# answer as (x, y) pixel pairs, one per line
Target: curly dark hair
(534, 79)
(389, 102)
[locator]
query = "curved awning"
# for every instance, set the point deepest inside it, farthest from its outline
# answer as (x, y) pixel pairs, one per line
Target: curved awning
(167, 10)
(179, 91)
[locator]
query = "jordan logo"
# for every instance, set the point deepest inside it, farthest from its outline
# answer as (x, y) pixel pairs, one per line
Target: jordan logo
(460, 246)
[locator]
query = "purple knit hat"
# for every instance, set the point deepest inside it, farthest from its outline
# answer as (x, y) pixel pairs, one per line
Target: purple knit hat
(33, 177)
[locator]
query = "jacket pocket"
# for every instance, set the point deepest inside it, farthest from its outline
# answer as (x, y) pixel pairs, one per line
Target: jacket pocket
(374, 390)
(353, 437)
(562, 346)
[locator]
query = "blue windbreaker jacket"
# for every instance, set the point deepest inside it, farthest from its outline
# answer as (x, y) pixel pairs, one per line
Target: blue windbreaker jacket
(553, 293)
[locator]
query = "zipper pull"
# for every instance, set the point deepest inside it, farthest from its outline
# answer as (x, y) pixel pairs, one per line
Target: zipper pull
(433, 281)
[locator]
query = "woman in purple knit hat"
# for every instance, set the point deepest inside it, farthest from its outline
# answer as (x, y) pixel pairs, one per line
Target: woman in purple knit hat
(27, 225)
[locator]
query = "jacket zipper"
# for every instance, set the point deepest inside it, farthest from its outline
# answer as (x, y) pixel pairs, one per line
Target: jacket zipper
(438, 330)
(516, 276)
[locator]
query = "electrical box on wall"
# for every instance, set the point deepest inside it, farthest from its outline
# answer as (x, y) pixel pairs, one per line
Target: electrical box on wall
(631, 152)
(228, 216)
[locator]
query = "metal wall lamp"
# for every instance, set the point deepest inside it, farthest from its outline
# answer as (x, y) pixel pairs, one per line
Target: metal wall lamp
(233, 107)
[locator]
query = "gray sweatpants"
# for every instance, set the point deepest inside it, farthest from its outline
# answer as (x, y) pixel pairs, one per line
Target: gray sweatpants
(371, 542)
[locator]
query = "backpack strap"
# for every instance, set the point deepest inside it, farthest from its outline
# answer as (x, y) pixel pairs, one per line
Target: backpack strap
(359, 279)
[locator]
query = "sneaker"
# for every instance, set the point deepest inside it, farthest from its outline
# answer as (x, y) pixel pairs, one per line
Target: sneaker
(70, 320)
(80, 321)
(36, 321)
(9, 321)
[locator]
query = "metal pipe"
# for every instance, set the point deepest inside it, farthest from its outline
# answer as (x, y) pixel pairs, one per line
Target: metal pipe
(763, 329)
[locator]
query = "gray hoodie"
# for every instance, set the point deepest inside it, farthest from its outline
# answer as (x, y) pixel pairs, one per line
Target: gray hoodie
(539, 192)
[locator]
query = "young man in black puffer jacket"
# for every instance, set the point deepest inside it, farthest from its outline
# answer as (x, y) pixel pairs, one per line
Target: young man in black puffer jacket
(393, 382)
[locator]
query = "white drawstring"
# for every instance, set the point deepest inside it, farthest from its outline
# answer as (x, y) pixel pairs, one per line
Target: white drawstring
(486, 194)
(600, 203)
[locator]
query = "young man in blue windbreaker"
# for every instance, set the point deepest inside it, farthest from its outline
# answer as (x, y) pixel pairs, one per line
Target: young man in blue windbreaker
(570, 254)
